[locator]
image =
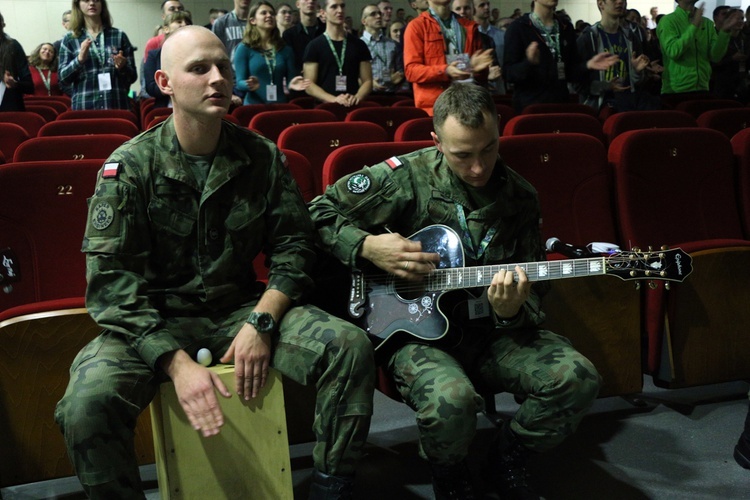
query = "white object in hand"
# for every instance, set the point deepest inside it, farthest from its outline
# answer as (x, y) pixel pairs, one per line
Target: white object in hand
(204, 357)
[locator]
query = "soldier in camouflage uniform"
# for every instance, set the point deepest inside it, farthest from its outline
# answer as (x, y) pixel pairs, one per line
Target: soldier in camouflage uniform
(463, 183)
(178, 216)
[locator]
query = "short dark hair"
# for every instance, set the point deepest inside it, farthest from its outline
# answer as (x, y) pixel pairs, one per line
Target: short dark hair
(467, 103)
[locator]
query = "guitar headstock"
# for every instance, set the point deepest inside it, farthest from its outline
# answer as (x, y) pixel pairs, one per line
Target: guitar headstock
(666, 265)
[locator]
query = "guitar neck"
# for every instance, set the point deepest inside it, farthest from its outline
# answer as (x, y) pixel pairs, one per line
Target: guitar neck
(470, 277)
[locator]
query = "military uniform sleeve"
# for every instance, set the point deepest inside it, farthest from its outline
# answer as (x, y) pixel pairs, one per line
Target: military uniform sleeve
(358, 205)
(117, 249)
(290, 244)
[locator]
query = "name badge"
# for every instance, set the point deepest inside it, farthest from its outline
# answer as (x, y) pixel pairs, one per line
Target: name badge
(340, 83)
(479, 308)
(561, 70)
(105, 81)
(271, 95)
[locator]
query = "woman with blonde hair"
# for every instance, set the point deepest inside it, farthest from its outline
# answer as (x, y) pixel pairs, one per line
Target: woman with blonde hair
(262, 61)
(43, 69)
(96, 60)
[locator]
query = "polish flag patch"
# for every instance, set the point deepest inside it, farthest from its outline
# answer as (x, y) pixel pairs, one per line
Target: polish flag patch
(111, 170)
(393, 162)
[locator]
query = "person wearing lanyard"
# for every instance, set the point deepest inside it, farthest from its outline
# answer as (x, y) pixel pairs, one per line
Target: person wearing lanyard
(440, 48)
(262, 61)
(493, 339)
(43, 68)
(96, 60)
(541, 57)
(386, 78)
(621, 86)
(337, 64)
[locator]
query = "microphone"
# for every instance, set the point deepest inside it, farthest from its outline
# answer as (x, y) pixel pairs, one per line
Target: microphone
(568, 250)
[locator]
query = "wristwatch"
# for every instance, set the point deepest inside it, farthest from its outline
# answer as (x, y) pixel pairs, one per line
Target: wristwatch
(263, 322)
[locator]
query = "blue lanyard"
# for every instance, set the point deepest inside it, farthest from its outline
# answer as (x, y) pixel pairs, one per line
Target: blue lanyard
(474, 253)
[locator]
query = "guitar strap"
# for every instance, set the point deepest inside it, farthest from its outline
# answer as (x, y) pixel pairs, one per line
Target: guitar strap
(469, 247)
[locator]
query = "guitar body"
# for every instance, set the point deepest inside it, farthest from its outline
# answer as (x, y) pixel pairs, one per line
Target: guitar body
(395, 305)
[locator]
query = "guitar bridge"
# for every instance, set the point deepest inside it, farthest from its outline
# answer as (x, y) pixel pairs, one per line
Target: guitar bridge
(357, 295)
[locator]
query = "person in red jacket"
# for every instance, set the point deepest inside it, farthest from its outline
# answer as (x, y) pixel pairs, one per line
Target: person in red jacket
(441, 48)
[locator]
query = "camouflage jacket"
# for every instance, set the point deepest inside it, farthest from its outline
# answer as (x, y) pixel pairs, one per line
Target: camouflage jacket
(158, 247)
(410, 192)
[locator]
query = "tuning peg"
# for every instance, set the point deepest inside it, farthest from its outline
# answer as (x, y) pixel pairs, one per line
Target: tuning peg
(664, 247)
(667, 286)
(652, 285)
(8, 288)
(650, 248)
(636, 250)
(637, 285)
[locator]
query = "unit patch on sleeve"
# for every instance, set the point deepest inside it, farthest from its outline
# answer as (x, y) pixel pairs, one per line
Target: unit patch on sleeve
(358, 184)
(102, 215)
(111, 170)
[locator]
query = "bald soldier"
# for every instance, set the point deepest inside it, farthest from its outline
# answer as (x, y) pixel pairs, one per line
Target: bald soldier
(178, 215)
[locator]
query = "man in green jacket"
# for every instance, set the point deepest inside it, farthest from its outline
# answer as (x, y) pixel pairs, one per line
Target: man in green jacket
(689, 44)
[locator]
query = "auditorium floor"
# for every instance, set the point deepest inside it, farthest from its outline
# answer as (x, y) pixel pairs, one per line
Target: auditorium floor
(677, 445)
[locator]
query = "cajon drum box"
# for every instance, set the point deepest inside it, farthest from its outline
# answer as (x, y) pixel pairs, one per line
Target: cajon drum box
(248, 459)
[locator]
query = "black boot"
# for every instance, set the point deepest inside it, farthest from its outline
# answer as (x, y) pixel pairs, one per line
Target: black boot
(452, 482)
(325, 487)
(742, 450)
(505, 467)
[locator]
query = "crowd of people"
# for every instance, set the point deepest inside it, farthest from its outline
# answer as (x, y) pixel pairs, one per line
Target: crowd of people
(179, 213)
(622, 61)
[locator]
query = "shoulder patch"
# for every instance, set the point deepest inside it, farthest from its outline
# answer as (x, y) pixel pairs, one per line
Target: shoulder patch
(393, 162)
(358, 184)
(111, 170)
(102, 215)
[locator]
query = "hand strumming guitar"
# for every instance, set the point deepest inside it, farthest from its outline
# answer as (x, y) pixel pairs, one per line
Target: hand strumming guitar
(397, 255)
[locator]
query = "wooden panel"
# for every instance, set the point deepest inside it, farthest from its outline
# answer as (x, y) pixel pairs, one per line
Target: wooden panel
(35, 356)
(601, 316)
(708, 340)
(248, 459)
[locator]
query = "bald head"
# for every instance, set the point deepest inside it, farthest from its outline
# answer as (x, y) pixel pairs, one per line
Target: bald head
(183, 41)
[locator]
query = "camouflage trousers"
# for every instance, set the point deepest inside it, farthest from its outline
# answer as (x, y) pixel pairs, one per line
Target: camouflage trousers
(110, 386)
(559, 385)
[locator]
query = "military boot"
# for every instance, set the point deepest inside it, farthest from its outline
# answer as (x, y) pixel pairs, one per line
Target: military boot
(452, 482)
(325, 487)
(505, 467)
(742, 450)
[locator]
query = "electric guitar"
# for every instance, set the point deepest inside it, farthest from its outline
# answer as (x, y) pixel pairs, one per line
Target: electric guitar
(385, 304)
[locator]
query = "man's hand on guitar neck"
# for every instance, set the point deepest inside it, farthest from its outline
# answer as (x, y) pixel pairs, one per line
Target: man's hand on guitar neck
(397, 255)
(506, 295)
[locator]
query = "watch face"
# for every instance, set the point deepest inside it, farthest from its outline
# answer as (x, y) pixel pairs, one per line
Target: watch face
(263, 322)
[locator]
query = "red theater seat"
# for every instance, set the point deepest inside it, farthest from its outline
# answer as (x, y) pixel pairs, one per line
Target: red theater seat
(11, 136)
(99, 113)
(728, 121)
(639, 120)
(387, 117)
(575, 193)
(317, 140)
(246, 112)
(89, 126)
(341, 111)
(31, 122)
(554, 123)
(676, 187)
(77, 147)
(271, 123)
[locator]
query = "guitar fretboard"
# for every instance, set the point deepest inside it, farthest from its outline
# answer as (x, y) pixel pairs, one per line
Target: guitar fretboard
(469, 277)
